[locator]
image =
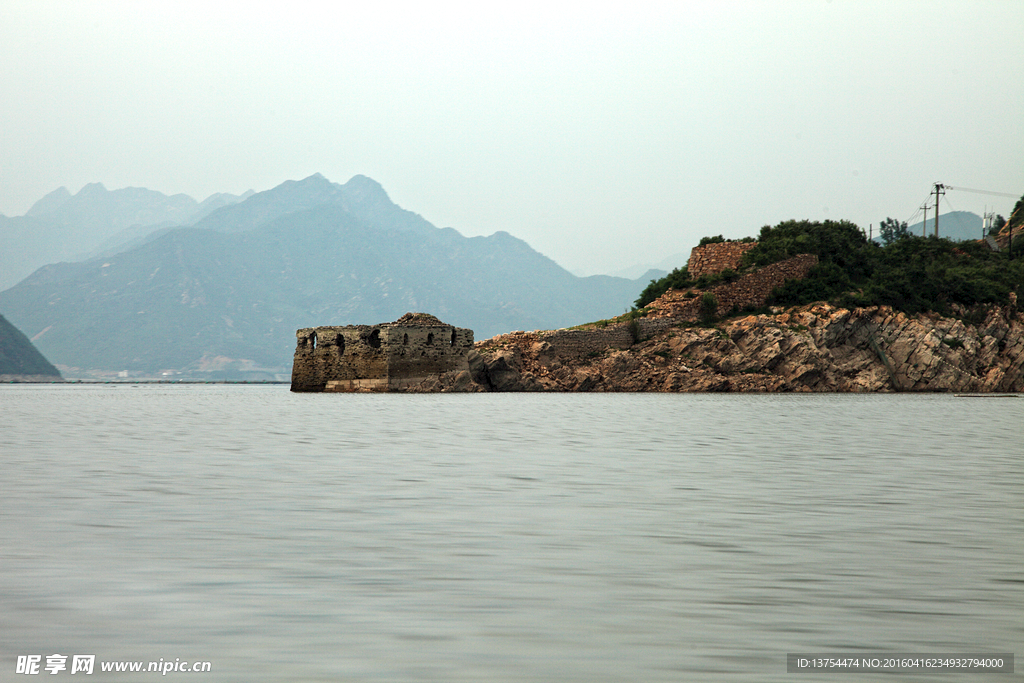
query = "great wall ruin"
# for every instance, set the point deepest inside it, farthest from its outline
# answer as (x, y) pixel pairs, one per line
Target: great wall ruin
(385, 357)
(814, 348)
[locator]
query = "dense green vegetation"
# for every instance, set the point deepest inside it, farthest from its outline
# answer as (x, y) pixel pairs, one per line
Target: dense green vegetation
(909, 273)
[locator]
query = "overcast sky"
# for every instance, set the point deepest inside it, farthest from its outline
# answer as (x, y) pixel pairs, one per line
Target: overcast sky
(603, 133)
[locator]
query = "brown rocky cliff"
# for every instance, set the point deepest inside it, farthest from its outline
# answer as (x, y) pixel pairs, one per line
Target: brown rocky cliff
(810, 348)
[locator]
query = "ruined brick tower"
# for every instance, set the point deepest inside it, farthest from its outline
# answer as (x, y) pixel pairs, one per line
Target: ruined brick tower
(385, 357)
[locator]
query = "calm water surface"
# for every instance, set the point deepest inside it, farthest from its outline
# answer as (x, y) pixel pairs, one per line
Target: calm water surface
(505, 537)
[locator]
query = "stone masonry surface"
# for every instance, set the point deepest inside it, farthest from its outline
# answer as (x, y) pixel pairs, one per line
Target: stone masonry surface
(749, 290)
(386, 357)
(716, 257)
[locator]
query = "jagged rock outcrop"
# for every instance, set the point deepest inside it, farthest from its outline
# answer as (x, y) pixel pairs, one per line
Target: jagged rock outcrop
(811, 348)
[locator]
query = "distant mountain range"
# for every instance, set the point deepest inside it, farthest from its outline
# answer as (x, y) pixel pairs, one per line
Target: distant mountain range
(65, 227)
(223, 296)
(653, 271)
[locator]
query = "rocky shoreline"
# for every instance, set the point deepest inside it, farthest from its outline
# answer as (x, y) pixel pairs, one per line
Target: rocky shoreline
(819, 347)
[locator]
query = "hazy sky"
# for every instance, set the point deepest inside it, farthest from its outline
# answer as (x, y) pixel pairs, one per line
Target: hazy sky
(603, 133)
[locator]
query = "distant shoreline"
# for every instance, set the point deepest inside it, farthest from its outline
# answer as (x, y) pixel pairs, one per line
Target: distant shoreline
(143, 381)
(274, 382)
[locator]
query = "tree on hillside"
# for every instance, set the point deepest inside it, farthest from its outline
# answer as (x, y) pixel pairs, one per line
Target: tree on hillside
(839, 242)
(1017, 215)
(1015, 223)
(891, 230)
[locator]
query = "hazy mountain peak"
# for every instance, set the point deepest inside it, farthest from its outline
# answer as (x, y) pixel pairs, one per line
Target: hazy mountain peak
(50, 202)
(92, 189)
(256, 208)
(363, 189)
(314, 185)
(315, 180)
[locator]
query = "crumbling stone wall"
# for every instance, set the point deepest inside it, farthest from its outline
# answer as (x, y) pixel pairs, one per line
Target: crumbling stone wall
(579, 343)
(716, 257)
(576, 344)
(385, 357)
(749, 290)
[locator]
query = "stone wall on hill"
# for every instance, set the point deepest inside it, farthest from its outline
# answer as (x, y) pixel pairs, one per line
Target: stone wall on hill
(672, 308)
(709, 259)
(748, 290)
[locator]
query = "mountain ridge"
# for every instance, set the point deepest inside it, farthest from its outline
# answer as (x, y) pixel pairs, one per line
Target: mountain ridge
(65, 227)
(237, 284)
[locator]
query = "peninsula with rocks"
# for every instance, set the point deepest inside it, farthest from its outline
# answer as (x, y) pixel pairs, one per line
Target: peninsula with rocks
(807, 307)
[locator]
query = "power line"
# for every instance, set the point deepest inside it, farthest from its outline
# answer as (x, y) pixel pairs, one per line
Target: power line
(967, 189)
(924, 202)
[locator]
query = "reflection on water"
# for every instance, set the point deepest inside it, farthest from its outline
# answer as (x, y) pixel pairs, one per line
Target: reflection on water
(505, 537)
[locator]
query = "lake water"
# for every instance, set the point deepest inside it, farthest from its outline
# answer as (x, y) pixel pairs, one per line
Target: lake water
(504, 537)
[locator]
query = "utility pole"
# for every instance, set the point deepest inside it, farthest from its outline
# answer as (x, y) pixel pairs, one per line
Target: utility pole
(940, 190)
(924, 223)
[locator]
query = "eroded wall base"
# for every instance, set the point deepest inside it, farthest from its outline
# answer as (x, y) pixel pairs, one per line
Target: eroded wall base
(356, 385)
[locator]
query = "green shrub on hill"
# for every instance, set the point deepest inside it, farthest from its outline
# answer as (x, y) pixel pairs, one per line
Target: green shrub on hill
(680, 279)
(708, 307)
(677, 279)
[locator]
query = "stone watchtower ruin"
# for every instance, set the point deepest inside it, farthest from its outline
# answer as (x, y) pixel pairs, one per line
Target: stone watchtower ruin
(709, 259)
(385, 357)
